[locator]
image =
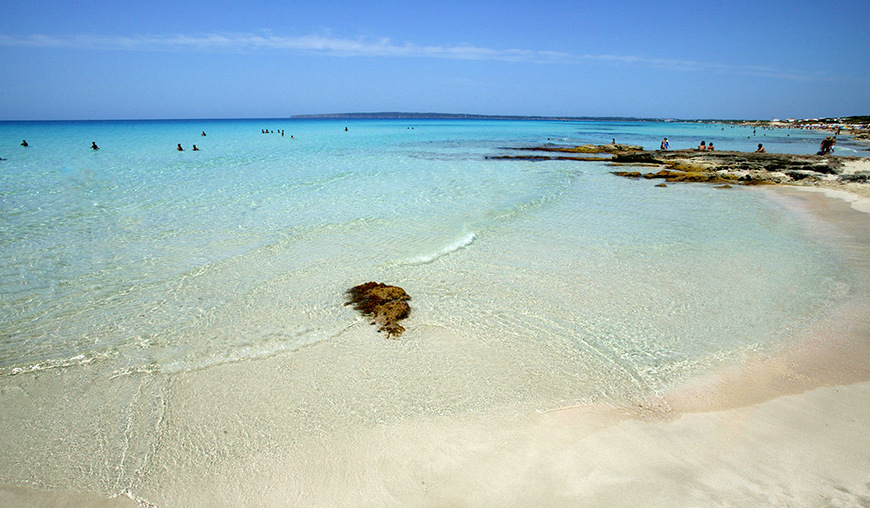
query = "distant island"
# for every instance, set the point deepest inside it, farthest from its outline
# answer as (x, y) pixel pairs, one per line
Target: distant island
(392, 115)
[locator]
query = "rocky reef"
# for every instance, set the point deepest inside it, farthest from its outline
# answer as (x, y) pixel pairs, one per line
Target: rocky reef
(613, 148)
(684, 176)
(385, 304)
(740, 167)
(746, 168)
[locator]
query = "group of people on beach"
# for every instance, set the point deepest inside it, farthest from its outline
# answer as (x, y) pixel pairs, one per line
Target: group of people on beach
(708, 147)
(703, 146)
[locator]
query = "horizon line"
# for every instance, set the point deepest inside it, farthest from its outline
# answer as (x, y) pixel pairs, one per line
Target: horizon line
(409, 115)
(400, 115)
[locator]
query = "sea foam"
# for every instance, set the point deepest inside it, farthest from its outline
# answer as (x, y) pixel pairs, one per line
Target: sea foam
(460, 243)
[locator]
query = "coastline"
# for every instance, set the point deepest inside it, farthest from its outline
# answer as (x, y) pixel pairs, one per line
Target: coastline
(855, 193)
(784, 428)
(361, 422)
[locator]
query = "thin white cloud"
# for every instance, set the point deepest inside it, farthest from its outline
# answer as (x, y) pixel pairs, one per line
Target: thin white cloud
(249, 42)
(244, 42)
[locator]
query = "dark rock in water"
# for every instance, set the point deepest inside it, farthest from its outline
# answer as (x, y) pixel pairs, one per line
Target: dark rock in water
(611, 148)
(665, 173)
(636, 157)
(617, 148)
(547, 158)
(629, 174)
(522, 157)
(680, 176)
(385, 304)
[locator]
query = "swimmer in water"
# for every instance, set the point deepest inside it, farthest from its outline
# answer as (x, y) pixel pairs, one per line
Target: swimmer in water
(178, 147)
(195, 149)
(94, 145)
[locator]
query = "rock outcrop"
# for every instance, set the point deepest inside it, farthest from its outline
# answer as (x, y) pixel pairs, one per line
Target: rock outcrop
(747, 168)
(386, 305)
(735, 167)
(682, 176)
(750, 161)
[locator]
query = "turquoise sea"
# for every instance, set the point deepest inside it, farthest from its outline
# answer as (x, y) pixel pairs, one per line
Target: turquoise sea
(138, 279)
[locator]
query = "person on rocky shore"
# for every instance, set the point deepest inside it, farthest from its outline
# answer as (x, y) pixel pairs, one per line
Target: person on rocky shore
(702, 146)
(761, 149)
(664, 144)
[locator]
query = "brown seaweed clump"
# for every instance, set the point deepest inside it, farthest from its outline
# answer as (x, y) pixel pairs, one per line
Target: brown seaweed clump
(385, 304)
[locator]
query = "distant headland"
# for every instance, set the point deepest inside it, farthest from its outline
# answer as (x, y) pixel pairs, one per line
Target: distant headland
(393, 115)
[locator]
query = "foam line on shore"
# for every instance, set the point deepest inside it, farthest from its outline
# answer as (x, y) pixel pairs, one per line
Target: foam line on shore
(460, 243)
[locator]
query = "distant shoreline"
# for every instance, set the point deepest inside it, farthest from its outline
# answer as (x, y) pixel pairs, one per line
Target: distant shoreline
(395, 115)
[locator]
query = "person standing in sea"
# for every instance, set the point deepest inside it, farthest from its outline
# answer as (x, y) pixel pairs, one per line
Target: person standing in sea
(827, 145)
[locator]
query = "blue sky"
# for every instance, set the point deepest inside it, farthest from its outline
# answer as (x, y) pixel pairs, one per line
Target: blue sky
(229, 59)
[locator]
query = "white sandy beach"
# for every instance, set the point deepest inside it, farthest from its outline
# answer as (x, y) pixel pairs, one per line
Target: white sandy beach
(769, 447)
(858, 194)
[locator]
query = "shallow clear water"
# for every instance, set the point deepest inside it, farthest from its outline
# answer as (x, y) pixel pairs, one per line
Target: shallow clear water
(145, 257)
